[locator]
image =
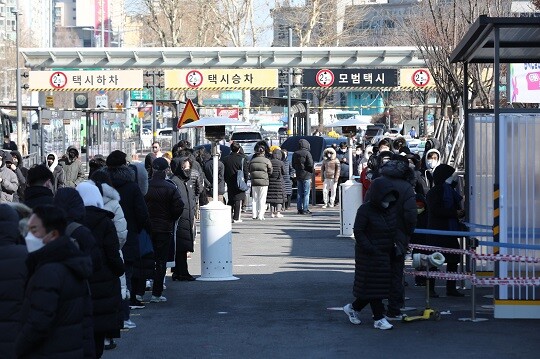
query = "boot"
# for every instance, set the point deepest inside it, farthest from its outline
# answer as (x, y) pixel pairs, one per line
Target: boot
(451, 290)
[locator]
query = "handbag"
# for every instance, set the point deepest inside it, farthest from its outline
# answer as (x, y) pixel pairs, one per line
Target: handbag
(145, 243)
(240, 182)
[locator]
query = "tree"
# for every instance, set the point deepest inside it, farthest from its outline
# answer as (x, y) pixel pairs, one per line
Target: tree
(436, 30)
(318, 23)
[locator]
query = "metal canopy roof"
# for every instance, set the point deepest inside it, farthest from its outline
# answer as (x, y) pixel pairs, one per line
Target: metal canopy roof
(519, 41)
(222, 57)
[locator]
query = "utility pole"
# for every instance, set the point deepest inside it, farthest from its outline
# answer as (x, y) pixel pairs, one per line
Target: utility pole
(289, 82)
(154, 85)
(16, 12)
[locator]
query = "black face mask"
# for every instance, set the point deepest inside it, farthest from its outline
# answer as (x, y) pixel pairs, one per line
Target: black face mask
(185, 174)
(71, 155)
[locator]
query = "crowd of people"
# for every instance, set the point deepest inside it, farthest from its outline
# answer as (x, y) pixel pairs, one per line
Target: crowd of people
(401, 191)
(80, 252)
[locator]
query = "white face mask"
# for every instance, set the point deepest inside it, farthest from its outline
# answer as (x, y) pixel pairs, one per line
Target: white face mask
(431, 163)
(33, 243)
(385, 204)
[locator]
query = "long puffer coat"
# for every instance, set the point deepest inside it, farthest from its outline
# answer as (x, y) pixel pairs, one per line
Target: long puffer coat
(233, 163)
(185, 227)
(105, 283)
(374, 230)
(402, 178)
(111, 202)
(287, 177)
(12, 279)
(276, 190)
(56, 301)
(134, 207)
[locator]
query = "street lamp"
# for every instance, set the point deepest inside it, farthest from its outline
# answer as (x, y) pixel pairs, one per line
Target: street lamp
(16, 12)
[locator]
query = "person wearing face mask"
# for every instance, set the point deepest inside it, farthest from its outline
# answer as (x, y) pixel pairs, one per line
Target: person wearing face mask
(8, 179)
(401, 176)
(57, 171)
(21, 172)
(375, 226)
(13, 273)
(40, 186)
(185, 229)
(447, 202)
(72, 166)
(432, 160)
(330, 171)
(57, 298)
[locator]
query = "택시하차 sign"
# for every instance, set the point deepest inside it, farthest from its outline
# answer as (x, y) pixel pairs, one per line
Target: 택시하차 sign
(350, 78)
(85, 80)
(221, 79)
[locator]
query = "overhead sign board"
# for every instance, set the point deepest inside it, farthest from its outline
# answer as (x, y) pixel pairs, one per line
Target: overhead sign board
(525, 83)
(189, 114)
(86, 80)
(146, 95)
(416, 78)
(218, 79)
(350, 78)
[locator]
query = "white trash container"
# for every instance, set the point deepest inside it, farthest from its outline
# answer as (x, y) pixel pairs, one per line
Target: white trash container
(216, 242)
(350, 199)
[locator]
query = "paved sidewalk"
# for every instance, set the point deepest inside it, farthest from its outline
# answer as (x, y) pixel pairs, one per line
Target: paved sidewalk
(295, 275)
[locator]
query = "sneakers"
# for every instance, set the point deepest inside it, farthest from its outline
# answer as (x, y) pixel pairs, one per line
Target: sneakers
(352, 314)
(237, 221)
(159, 299)
(139, 298)
(128, 324)
(395, 317)
(136, 304)
(331, 205)
(279, 215)
(109, 344)
(273, 215)
(324, 205)
(382, 324)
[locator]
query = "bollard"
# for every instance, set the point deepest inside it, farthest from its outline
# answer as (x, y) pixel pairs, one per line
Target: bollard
(350, 199)
(216, 242)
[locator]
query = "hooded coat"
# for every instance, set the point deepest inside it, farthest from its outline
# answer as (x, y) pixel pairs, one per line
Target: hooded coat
(427, 172)
(232, 164)
(185, 226)
(302, 161)
(374, 229)
(287, 177)
(21, 173)
(105, 283)
(331, 167)
(276, 191)
(12, 279)
(133, 205)
(36, 195)
(9, 184)
(111, 202)
(443, 202)
(56, 301)
(71, 202)
(73, 170)
(57, 171)
(402, 178)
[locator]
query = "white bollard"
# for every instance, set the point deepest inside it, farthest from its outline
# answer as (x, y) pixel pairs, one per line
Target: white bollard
(216, 242)
(350, 199)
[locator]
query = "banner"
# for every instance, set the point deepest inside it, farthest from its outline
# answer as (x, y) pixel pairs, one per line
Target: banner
(86, 80)
(525, 83)
(221, 79)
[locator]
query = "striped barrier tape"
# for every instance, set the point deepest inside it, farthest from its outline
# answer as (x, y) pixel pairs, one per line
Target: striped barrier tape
(506, 257)
(507, 281)
(440, 275)
(441, 249)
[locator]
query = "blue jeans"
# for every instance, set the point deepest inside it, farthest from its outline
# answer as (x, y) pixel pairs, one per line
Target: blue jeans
(302, 196)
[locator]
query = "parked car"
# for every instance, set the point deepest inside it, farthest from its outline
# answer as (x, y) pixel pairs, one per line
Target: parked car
(247, 140)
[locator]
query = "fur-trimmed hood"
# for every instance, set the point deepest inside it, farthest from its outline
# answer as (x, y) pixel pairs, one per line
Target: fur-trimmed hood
(331, 151)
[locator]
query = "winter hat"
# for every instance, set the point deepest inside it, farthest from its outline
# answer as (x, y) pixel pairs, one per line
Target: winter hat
(116, 158)
(442, 172)
(7, 157)
(160, 164)
(90, 194)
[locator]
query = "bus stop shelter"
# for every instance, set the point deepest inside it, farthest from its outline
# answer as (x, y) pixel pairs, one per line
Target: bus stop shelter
(503, 165)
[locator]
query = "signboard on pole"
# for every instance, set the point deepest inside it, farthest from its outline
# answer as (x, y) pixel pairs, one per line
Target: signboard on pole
(85, 80)
(49, 101)
(102, 101)
(80, 99)
(350, 78)
(525, 83)
(410, 78)
(189, 114)
(221, 79)
(228, 112)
